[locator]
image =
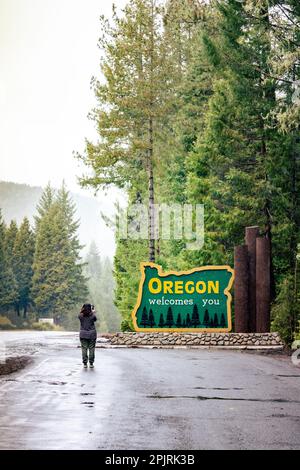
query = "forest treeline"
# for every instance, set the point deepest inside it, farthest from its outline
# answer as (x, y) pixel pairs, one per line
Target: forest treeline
(42, 274)
(198, 102)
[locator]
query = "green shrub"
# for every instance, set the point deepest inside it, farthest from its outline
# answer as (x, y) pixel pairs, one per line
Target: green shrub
(6, 324)
(126, 325)
(285, 311)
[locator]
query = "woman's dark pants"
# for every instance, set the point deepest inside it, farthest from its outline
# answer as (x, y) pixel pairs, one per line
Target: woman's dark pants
(88, 350)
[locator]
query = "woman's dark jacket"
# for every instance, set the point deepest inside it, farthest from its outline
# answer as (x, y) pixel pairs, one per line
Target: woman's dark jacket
(87, 326)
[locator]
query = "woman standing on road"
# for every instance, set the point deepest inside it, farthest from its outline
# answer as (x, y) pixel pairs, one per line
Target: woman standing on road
(88, 334)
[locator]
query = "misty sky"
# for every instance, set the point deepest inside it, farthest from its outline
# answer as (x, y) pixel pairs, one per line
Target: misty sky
(48, 53)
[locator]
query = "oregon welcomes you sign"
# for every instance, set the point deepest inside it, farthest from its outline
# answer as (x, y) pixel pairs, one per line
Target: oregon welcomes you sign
(195, 300)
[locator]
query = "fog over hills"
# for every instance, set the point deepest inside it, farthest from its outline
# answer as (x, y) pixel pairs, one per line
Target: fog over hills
(20, 200)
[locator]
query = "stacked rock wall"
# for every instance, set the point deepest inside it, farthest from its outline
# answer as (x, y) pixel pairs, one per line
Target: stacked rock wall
(226, 340)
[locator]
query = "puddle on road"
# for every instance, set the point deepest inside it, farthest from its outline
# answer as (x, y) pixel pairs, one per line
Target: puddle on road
(203, 398)
(35, 381)
(284, 375)
(282, 415)
(217, 388)
(88, 404)
(56, 383)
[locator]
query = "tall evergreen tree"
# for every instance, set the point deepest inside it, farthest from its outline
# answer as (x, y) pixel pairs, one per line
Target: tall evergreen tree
(133, 106)
(93, 262)
(169, 319)
(161, 323)
(58, 284)
(206, 319)
(8, 284)
(44, 204)
(68, 209)
(10, 238)
(223, 321)
(178, 321)
(151, 319)
(195, 316)
(144, 319)
(216, 321)
(23, 260)
(239, 152)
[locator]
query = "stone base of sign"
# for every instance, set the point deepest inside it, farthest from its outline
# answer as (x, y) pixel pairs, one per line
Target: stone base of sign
(13, 364)
(262, 341)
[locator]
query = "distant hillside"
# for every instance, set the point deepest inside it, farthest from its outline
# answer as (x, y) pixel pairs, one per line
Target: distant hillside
(20, 200)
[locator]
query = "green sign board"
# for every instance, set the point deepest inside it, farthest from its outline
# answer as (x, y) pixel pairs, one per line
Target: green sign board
(195, 300)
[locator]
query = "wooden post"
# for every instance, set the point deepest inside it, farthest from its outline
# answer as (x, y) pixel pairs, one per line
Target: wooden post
(241, 294)
(250, 239)
(263, 285)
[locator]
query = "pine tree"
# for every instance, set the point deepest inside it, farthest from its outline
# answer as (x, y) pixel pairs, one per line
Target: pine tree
(144, 319)
(206, 319)
(58, 285)
(216, 321)
(8, 284)
(68, 208)
(10, 238)
(133, 106)
(178, 321)
(67, 212)
(236, 160)
(223, 321)
(161, 323)
(169, 319)
(44, 204)
(195, 317)
(151, 320)
(93, 261)
(23, 260)
(284, 61)
(9, 242)
(188, 321)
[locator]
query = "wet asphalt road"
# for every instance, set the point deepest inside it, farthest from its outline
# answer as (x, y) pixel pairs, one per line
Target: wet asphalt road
(147, 399)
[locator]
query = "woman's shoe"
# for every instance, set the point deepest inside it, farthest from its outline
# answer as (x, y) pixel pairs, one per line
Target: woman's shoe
(85, 366)
(92, 366)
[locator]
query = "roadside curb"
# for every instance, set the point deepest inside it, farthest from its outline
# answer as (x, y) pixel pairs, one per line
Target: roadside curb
(145, 346)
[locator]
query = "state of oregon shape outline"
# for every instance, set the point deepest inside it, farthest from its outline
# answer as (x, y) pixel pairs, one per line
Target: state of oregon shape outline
(182, 273)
